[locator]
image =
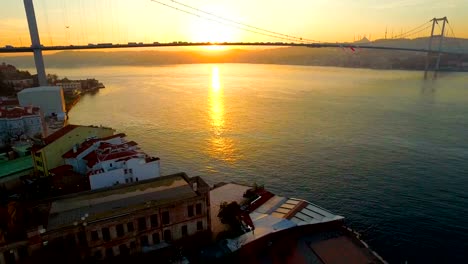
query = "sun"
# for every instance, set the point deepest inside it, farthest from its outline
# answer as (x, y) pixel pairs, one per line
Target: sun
(210, 31)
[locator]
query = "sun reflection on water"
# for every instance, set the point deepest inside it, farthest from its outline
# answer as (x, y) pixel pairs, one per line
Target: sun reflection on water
(221, 146)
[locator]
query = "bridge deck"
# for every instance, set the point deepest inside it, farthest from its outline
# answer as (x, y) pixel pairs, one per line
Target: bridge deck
(193, 44)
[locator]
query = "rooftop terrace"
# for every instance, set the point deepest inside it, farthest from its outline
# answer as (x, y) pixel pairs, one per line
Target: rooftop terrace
(119, 200)
(15, 166)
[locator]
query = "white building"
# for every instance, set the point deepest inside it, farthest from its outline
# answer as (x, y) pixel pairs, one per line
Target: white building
(111, 161)
(70, 87)
(19, 85)
(49, 98)
(20, 122)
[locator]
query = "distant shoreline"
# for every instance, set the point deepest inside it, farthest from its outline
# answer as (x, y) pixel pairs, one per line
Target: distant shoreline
(294, 56)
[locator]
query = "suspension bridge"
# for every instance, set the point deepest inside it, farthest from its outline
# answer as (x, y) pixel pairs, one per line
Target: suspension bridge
(436, 45)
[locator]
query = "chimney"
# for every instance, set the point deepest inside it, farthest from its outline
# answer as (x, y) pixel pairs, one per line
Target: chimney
(195, 186)
(75, 149)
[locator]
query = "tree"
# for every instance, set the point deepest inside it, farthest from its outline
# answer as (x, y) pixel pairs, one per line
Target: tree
(5, 88)
(52, 78)
(229, 214)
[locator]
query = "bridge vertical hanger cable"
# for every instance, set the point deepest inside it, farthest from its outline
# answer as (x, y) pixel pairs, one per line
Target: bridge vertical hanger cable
(406, 34)
(81, 21)
(242, 24)
(457, 41)
(292, 39)
(97, 29)
(46, 18)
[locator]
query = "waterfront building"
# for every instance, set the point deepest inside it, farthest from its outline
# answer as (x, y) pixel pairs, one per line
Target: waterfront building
(20, 122)
(49, 155)
(7, 69)
(111, 160)
(123, 220)
(49, 99)
(19, 84)
(71, 87)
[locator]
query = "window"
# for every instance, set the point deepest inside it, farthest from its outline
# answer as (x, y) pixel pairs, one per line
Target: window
(70, 240)
(94, 235)
(125, 171)
(37, 154)
(23, 252)
(110, 165)
(190, 210)
(154, 220)
(199, 225)
(123, 249)
(126, 180)
(97, 254)
(82, 238)
(106, 234)
(130, 170)
(156, 239)
(109, 252)
(184, 231)
(136, 179)
(120, 230)
(141, 223)
(198, 208)
(144, 241)
(39, 164)
(165, 218)
(130, 227)
(167, 235)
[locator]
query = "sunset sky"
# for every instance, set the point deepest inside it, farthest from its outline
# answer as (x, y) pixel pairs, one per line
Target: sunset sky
(64, 22)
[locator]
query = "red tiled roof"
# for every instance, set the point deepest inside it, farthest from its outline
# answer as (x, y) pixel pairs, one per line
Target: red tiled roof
(92, 158)
(9, 102)
(17, 112)
(85, 145)
(61, 169)
(105, 145)
(59, 133)
(118, 155)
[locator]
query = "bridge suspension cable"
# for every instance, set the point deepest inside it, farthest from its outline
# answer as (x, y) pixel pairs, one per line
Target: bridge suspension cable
(243, 24)
(235, 24)
(455, 39)
(407, 33)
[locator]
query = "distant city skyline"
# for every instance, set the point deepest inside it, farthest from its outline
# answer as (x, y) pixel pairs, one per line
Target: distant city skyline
(64, 22)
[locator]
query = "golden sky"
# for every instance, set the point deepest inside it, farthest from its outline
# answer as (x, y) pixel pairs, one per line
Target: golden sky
(65, 22)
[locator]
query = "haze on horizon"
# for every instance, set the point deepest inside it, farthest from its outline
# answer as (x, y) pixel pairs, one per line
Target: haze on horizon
(64, 22)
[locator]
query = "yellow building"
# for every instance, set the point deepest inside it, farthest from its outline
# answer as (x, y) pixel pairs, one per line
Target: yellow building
(49, 155)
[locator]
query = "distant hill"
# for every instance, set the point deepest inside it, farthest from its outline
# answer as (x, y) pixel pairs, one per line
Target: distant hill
(342, 57)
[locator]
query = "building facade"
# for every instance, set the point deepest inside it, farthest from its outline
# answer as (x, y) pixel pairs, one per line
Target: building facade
(49, 99)
(72, 87)
(111, 160)
(20, 122)
(7, 69)
(49, 155)
(20, 84)
(124, 220)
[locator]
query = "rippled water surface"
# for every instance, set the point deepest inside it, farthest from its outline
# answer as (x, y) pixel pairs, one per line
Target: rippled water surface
(385, 149)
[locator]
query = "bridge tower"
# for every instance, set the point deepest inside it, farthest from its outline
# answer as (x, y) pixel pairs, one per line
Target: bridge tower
(36, 43)
(431, 54)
